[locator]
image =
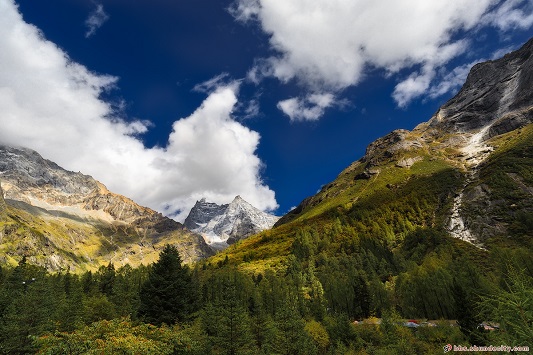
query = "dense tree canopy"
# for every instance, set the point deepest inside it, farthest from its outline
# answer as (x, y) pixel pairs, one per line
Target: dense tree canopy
(308, 307)
(167, 296)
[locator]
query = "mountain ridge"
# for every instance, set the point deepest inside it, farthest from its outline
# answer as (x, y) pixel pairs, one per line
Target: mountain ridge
(467, 169)
(32, 179)
(68, 220)
(465, 173)
(470, 114)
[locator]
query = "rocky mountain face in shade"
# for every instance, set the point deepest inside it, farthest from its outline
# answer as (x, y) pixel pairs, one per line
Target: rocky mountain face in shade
(70, 220)
(225, 224)
(464, 135)
(497, 94)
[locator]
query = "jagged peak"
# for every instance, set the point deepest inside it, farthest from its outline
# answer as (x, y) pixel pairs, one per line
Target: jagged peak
(228, 222)
(238, 200)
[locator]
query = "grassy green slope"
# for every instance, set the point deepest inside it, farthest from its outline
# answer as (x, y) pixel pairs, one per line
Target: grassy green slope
(61, 242)
(387, 206)
(392, 202)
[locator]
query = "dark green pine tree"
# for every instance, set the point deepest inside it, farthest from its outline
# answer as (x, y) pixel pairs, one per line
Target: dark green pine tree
(361, 297)
(467, 317)
(72, 308)
(292, 337)
(30, 312)
(168, 295)
(227, 323)
(106, 276)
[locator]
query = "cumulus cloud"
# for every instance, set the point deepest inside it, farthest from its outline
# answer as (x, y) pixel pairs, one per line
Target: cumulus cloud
(310, 108)
(52, 105)
(95, 20)
(415, 85)
(326, 45)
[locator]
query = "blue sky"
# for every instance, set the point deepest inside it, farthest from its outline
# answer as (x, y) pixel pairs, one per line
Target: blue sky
(167, 102)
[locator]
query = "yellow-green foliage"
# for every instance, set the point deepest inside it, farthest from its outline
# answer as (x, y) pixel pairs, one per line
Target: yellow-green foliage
(117, 336)
(75, 244)
(385, 207)
(319, 334)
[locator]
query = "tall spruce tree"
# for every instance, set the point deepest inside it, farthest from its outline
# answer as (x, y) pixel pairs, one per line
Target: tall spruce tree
(228, 324)
(467, 316)
(168, 296)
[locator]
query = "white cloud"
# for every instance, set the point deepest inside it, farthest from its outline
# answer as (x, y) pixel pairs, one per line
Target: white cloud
(212, 84)
(451, 81)
(95, 20)
(250, 110)
(326, 45)
(310, 108)
(424, 84)
(245, 10)
(415, 85)
(511, 15)
(52, 105)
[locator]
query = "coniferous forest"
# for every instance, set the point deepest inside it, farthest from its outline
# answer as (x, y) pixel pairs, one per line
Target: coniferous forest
(310, 308)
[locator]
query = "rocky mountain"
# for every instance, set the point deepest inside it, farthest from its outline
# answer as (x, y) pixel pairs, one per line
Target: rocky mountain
(225, 224)
(466, 173)
(497, 98)
(62, 219)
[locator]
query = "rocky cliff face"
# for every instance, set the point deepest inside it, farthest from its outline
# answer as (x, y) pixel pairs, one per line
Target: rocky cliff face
(497, 94)
(225, 224)
(62, 219)
(203, 212)
(496, 100)
(29, 178)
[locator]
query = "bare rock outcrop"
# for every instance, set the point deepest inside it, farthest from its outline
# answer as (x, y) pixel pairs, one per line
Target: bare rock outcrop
(3, 205)
(492, 90)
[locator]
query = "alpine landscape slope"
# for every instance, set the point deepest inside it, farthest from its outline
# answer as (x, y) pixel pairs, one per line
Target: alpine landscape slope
(465, 173)
(66, 220)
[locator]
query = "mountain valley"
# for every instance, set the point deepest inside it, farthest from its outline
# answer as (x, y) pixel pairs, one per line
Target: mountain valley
(62, 219)
(257, 177)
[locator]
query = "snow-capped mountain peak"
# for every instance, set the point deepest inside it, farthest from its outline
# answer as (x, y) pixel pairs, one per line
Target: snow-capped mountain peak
(225, 224)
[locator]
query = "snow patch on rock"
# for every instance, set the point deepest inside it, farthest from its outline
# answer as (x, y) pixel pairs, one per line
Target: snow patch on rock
(221, 225)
